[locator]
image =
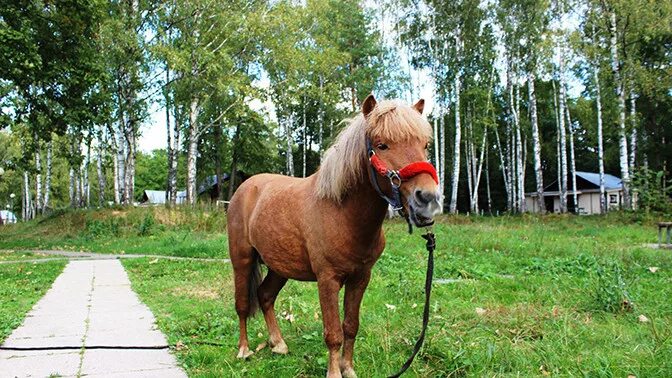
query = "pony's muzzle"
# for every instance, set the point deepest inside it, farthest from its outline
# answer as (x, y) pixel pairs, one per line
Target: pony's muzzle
(424, 205)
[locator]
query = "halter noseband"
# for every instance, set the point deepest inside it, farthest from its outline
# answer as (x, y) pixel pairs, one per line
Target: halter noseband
(396, 177)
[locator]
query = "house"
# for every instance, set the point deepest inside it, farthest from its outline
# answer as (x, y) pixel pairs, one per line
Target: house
(587, 193)
(158, 197)
(7, 217)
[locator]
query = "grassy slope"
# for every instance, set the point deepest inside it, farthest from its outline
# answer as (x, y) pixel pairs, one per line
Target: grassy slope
(21, 285)
(180, 232)
(546, 285)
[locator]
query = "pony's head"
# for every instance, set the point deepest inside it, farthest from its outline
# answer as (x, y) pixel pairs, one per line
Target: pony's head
(398, 137)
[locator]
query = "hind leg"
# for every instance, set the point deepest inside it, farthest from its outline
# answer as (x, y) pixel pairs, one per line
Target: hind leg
(243, 269)
(268, 292)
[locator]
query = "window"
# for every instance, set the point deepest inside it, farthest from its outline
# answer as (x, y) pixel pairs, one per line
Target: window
(613, 198)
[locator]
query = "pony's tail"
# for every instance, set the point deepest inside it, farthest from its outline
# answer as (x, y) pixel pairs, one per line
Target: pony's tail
(255, 282)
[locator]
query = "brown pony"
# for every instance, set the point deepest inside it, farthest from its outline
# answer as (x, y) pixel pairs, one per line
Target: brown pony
(328, 227)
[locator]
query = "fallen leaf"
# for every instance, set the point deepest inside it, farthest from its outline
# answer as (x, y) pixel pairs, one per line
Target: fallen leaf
(543, 371)
(260, 347)
(632, 376)
(29, 273)
(414, 305)
(289, 318)
(154, 261)
(653, 269)
(480, 311)
(556, 311)
(643, 319)
(180, 345)
(390, 307)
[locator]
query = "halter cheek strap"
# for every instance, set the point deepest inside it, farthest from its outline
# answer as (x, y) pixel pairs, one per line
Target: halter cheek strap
(378, 166)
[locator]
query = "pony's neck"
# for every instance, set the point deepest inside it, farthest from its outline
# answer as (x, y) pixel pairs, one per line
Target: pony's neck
(365, 208)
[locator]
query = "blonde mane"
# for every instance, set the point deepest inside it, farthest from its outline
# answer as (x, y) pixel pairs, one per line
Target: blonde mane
(344, 163)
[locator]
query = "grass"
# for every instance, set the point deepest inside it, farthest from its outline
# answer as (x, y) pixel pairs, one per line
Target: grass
(12, 256)
(528, 296)
(21, 285)
(178, 232)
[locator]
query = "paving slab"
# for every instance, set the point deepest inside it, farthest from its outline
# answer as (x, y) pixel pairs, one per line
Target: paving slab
(89, 308)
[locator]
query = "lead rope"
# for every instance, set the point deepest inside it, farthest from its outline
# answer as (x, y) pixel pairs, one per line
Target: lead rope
(430, 245)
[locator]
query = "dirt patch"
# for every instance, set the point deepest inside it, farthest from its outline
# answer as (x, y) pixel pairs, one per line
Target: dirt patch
(199, 292)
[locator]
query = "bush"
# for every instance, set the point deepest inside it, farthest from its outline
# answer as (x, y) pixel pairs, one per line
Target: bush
(654, 192)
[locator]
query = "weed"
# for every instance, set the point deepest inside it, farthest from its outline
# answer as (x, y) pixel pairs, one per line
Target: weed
(145, 227)
(611, 292)
(98, 228)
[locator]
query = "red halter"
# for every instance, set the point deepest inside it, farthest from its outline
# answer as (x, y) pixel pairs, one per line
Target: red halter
(405, 173)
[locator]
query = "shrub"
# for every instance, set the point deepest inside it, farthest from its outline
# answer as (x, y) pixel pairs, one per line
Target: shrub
(98, 228)
(145, 227)
(654, 192)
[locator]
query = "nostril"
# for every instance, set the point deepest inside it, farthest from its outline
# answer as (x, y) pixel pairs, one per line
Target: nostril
(422, 198)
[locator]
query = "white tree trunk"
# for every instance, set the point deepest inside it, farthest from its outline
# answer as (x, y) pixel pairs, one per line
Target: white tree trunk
(487, 178)
(620, 93)
(304, 139)
(563, 140)
(129, 176)
(442, 155)
(38, 178)
(192, 153)
(633, 133)
(437, 163)
(101, 174)
(536, 142)
(468, 161)
(455, 177)
(47, 184)
(71, 186)
(169, 141)
(87, 183)
(600, 147)
(172, 173)
(289, 153)
(27, 202)
(503, 166)
(572, 160)
(120, 163)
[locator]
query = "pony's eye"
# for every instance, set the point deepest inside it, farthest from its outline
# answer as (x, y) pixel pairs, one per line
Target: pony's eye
(427, 146)
(382, 146)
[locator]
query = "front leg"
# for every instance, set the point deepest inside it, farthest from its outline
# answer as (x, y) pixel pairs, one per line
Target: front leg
(328, 288)
(354, 292)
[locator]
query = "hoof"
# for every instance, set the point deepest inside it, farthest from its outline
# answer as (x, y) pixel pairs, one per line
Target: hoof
(280, 348)
(349, 373)
(244, 352)
(336, 374)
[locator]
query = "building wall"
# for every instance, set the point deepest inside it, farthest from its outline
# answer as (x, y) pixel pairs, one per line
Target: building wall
(589, 203)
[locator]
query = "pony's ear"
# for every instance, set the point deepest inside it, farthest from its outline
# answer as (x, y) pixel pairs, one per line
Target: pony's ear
(420, 105)
(368, 105)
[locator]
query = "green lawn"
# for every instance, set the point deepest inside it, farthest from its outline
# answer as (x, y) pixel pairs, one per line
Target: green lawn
(21, 285)
(558, 295)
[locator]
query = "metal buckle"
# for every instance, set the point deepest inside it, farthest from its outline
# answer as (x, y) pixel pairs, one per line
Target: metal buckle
(395, 180)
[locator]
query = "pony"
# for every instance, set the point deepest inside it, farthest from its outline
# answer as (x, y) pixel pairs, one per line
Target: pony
(328, 227)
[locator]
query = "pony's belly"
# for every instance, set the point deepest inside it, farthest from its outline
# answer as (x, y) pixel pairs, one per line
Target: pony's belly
(288, 263)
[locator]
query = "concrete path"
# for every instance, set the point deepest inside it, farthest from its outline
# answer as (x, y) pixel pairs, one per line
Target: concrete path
(90, 323)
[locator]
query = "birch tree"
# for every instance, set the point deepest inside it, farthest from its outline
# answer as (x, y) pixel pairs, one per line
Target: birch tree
(620, 94)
